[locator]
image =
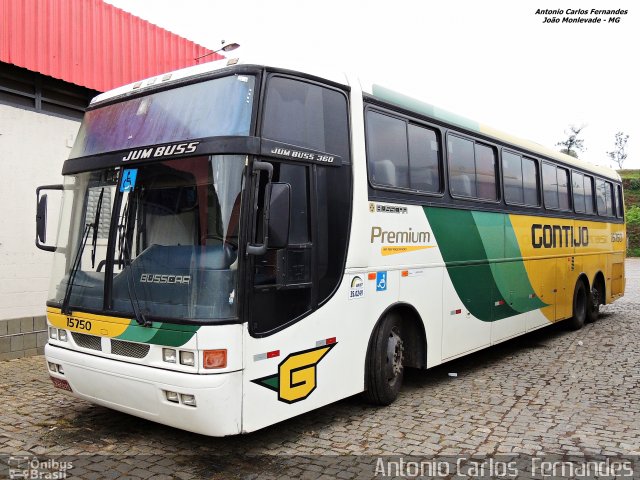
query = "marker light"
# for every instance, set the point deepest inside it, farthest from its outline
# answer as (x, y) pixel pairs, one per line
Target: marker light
(60, 370)
(172, 396)
(169, 355)
(62, 335)
(187, 358)
(214, 358)
(52, 367)
(189, 400)
(53, 333)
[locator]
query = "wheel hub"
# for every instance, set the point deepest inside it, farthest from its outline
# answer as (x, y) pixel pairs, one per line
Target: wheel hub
(395, 353)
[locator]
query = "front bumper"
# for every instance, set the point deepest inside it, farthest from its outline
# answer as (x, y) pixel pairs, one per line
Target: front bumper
(140, 390)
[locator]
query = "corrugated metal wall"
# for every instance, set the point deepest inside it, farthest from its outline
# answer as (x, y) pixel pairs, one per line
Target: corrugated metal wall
(89, 42)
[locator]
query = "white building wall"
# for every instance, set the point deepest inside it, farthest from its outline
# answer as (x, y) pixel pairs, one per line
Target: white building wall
(33, 147)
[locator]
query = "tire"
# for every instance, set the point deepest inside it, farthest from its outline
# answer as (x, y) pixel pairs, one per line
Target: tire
(580, 306)
(384, 370)
(593, 309)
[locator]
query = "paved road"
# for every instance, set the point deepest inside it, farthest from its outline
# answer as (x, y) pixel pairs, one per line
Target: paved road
(549, 392)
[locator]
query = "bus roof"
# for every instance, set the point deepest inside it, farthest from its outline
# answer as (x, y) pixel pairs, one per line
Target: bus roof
(376, 90)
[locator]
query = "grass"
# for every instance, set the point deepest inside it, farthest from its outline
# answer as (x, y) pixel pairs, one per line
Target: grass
(631, 183)
(629, 173)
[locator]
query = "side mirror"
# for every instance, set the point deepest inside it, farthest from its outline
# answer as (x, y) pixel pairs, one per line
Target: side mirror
(279, 215)
(41, 218)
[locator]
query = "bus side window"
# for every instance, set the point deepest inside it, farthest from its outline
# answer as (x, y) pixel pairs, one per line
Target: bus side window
(512, 178)
(485, 172)
(563, 188)
(424, 161)
(609, 198)
(588, 195)
(550, 185)
(388, 156)
(619, 203)
(461, 167)
(530, 182)
(601, 197)
(578, 192)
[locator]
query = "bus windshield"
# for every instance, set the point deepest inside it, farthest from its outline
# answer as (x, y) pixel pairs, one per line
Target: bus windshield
(218, 107)
(168, 233)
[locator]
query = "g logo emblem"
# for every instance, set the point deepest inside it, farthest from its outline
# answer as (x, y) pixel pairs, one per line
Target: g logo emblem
(297, 375)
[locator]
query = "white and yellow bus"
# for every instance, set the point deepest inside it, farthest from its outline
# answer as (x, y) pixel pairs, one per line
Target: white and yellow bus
(239, 244)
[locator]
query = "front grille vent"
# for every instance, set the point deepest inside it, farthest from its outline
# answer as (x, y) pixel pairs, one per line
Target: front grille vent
(129, 349)
(87, 341)
(118, 347)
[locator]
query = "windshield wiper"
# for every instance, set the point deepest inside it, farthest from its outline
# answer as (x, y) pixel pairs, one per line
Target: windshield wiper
(125, 249)
(74, 269)
(96, 223)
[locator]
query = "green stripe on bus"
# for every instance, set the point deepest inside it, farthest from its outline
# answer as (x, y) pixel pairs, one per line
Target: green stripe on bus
(171, 335)
(499, 241)
(472, 245)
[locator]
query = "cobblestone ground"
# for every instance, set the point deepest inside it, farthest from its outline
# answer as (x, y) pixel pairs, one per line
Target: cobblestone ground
(549, 392)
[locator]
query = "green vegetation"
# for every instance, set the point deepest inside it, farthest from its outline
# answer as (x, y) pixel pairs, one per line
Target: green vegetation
(631, 184)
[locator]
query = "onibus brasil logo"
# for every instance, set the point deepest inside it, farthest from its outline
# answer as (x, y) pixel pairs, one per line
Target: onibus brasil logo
(297, 375)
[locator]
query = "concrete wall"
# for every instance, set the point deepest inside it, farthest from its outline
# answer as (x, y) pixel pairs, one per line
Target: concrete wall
(33, 147)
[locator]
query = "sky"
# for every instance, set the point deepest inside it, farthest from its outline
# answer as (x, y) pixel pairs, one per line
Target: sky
(492, 61)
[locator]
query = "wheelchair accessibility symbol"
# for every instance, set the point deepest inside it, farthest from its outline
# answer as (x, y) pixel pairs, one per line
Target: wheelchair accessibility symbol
(128, 180)
(381, 281)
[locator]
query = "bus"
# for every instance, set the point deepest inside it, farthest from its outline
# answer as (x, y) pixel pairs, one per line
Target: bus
(240, 243)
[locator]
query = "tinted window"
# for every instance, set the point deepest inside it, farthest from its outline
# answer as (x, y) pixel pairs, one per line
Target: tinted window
(601, 197)
(512, 177)
(609, 198)
(461, 167)
(588, 194)
(296, 177)
(550, 185)
(213, 108)
(486, 172)
(563, 189)
(332, 226)
(402, 155)
(619, 203)
(387, 150)
(306, 115)
(424, 163)
(578, 192)
(530, 182)
(272, 306)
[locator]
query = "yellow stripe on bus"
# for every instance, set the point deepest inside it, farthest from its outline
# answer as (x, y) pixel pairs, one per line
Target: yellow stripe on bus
(89, 323)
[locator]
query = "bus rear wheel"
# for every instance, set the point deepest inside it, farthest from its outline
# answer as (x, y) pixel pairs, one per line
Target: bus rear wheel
(593, 309)
(580, 306)
(384, 368)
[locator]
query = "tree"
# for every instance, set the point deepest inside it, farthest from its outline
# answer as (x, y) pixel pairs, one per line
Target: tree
(572, 143)
(618, 155)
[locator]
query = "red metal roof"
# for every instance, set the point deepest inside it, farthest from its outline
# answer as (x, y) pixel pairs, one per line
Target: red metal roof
(89, 42)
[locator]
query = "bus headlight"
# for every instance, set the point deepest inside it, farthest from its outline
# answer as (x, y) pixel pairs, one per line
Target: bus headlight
(53, 333)
(62, 335)
(188, 399)
(169, 355)
(187, 358)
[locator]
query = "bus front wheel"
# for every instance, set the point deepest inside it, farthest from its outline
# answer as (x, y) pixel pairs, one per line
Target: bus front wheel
(384, 368)
(580, 306)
